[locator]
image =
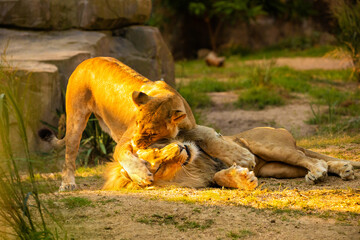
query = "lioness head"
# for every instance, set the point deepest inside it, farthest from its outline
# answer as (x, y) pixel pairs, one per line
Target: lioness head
(157, 118)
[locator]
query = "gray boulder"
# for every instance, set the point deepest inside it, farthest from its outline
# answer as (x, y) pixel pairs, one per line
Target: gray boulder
(144, 49)
(66, 14)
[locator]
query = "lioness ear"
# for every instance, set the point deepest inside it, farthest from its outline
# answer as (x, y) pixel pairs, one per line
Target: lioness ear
(178, 116)
(140, 98)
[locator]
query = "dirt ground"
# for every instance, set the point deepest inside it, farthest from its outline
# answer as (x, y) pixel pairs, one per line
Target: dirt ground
(145, 214)
(158, 213)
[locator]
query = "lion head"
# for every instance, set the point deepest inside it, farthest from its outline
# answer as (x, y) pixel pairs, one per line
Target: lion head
(157, 118)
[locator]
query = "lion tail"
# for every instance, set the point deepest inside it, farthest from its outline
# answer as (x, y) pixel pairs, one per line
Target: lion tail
(48, 136)
(312, 154)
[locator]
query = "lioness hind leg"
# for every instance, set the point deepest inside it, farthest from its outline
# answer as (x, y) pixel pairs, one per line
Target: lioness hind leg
(341, 168)
(236, 177)
(280, 170)
(75, 125)
(276, 152)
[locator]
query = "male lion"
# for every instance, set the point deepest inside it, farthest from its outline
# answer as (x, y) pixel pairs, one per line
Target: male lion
(276, 156)
(135, 111)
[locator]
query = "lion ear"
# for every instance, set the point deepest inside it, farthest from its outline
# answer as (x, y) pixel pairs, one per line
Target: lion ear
(140, 98)
(177, 116)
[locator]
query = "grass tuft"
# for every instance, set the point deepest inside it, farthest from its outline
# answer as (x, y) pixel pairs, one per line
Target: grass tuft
(258, 98)
(76, 202)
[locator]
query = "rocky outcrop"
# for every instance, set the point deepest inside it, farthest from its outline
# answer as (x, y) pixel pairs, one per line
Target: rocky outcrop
(66, 14)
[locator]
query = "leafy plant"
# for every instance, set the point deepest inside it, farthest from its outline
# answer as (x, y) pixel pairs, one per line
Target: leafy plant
(347, 14)
(96, 144)
(216, 13)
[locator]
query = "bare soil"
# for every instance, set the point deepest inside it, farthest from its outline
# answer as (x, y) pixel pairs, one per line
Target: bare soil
(142, 215)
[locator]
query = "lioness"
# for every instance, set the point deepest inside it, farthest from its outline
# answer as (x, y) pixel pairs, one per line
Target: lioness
(276, 156)
(135, 111)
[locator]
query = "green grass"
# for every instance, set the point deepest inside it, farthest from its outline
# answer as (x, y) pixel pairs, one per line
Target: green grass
(264, 85)
(316, 51)
(239, 234)
(207, 84)
(258, 98)
(76, 202)
(181, 223)
(194, 98)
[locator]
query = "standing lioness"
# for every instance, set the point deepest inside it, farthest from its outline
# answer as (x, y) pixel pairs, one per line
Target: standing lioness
(135, 111)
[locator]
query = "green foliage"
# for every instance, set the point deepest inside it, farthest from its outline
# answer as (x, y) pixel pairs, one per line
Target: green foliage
(216, 12)
(294, 10)
(237, 9)
(259, 98)
(347, 14)
(197, 8)
(342, 114)
(96, 144)
(16, 212)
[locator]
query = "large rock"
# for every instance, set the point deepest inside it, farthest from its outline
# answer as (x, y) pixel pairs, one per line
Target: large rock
(66, 14)
(144, 49)
(49, 58)
(38, 97)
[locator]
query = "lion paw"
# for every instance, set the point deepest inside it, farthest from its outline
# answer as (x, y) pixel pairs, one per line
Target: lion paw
(343, 169)
(66, 187)
(138, 172)
(236, 177)
(318, 173)
(143, 179)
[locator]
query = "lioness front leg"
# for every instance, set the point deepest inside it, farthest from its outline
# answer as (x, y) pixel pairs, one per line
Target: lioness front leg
(236, 177)
(220, 147)
(135, 167)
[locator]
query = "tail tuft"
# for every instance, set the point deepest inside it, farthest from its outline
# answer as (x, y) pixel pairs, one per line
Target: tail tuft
(46, 134)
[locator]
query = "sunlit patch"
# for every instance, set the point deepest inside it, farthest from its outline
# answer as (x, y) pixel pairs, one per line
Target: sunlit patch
(311, 201)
